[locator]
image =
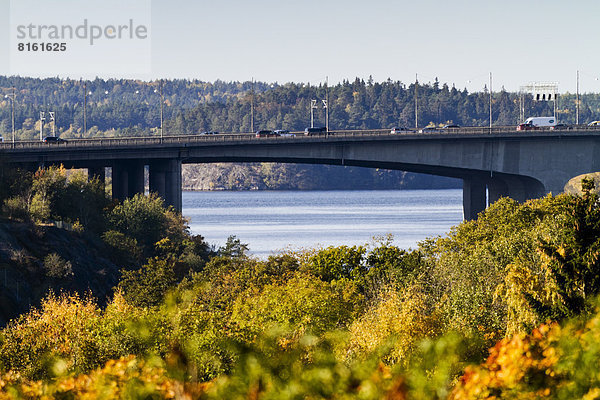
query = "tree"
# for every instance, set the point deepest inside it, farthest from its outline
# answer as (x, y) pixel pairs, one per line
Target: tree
(148, 285)
(573, 263)
(341, 262)
(145, 219)
(234, 248)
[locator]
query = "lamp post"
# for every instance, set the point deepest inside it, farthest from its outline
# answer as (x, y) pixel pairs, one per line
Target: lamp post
(313, 106)
(326, 104)
(162, 102)
(42, 119)
(490, 98)
(490, 102)
(417, 101)
(53, 120)
(577, 101)
(252, 106)
(12, 101)
(85, 95)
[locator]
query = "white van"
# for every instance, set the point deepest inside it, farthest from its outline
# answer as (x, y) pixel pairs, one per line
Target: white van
(541, 121)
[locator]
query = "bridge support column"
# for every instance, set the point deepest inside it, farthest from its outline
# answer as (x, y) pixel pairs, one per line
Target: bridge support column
(97, 172)
(497, 188)
(474, 198)
(165, 180)
(127, 179)
(519, 188)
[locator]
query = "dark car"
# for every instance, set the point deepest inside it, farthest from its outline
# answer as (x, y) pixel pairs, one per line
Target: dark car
(210, 133)
(527, 127)
(561, 127)
(267, 133)
(315, 131)
(54, 139)
(401, 129)
(451, 126)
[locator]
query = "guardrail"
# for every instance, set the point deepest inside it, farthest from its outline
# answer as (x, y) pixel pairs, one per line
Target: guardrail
(246, 137)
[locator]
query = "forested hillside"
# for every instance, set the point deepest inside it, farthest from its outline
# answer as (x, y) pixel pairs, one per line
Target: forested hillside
(272, 176)
(126, 107)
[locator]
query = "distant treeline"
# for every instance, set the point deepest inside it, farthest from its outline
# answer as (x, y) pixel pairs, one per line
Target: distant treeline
(270, 176)
(129, 107)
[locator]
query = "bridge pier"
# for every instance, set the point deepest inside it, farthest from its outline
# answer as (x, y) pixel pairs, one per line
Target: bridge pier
(474, 197)
(165, 180)
(519, 188)
(97, 172)
(127, 179)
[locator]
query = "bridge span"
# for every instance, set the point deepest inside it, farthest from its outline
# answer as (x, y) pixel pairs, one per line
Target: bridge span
(491, 163)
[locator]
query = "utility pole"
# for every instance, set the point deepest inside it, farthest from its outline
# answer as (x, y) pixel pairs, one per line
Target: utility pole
(313, 105)
(42, 119)
(326, 103)
(12, 103)
(162, 102)
(84, 109)
(577, 101)
(13, 114)
(53, 120)
(490, 102)
(252, 106)
(416, 101)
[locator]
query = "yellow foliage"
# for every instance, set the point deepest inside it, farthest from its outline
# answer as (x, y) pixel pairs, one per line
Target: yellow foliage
(511, 364)
(404, 319)
(127, 377)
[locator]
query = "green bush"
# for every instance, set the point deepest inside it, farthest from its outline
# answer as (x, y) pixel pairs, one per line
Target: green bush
(125, 249)
(16, 208)
(57, 267)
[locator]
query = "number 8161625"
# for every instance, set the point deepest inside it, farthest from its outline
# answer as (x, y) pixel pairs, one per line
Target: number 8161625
(42, 47)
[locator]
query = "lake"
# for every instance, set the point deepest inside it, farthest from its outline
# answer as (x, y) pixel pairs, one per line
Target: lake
(269, 221)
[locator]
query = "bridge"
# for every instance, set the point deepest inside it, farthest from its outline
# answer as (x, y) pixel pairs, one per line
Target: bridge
(491, 162)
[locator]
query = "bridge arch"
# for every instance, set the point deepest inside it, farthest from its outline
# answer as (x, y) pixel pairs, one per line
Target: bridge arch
(521, 165)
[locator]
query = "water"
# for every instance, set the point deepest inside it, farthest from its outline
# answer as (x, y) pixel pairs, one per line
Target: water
(270, 221)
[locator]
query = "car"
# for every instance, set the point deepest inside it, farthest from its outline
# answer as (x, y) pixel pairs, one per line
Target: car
(428, 129)
(451, 126)
(210, 133)
(395, 130)
(266, 133)
(315, 131)
(562, 127)
(283, 132)
(594, 123)
(1, 139)
(54, 139)
(527, 127)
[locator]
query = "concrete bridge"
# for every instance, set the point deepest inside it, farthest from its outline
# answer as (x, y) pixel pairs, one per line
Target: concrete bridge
(491, 163)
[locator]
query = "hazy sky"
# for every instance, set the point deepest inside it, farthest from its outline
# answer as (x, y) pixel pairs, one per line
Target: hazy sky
(457, 41)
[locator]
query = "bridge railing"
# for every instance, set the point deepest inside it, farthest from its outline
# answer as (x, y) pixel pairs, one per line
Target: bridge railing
(247, 137)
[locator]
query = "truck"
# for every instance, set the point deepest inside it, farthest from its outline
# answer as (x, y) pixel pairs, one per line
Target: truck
(535, 123)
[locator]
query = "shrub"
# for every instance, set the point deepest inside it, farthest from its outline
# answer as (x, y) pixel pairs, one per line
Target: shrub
(57, 267)
(16, 208)
(126, 249)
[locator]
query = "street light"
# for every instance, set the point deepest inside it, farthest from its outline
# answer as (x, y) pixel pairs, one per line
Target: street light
(490, 99)
(326, 104)
(12, 98)
(313, 106)
(85, 95)
(162, 102)
(53, 120)
(42, 119)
